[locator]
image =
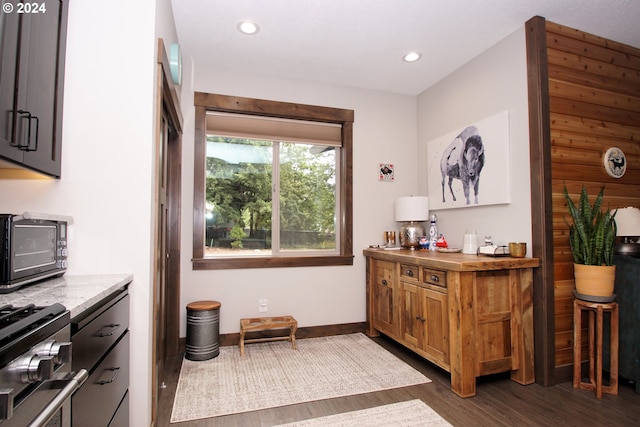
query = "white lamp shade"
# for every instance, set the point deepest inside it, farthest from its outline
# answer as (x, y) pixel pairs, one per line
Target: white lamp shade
(628, 221)
(412, 208)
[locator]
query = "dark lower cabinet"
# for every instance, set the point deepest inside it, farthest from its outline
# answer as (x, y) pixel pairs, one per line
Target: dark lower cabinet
(100, 338)
(627, 290)
(121, 418)
(97, 402)
(32, 55)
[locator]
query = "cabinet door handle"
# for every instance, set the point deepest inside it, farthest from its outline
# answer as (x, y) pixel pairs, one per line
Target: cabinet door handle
(409, 273)
(114, 327)
(384, 282)
(30, 117)
(115, 371)
(435, 278)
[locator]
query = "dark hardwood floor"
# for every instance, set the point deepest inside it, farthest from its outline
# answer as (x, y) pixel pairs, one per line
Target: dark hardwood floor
(498, 402)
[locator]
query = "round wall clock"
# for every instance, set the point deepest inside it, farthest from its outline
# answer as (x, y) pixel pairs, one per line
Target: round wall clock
(615, 163)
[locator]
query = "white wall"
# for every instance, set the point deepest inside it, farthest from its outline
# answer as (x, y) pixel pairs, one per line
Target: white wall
(384, 132)
(493, 82)
(107, 162)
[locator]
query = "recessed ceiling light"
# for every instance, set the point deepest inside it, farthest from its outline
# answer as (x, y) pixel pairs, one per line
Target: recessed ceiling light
(412, 56)
(248, 27)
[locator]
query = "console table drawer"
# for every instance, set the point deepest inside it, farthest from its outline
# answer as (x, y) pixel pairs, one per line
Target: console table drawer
(434, 277)
(409, 272)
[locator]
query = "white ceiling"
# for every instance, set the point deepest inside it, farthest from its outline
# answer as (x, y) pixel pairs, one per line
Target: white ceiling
(360, 43)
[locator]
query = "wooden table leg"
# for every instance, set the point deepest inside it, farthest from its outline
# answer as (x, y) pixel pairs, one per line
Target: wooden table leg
(599, 354)
(592, 345)
(242, 332)
(463, 350)
(613, 351)
(294, 328)
(577, 345)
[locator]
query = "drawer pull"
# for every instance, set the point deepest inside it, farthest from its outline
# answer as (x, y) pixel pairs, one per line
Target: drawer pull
(435, 278)
(409, 273)
(114, 326)
(422, 319)
(384, 282)
(29, 117)
(115, 371)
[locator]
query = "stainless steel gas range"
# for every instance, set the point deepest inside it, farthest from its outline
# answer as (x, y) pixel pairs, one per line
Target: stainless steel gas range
(36, 382)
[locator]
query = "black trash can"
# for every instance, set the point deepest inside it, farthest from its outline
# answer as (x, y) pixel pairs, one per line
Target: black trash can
(203, 330)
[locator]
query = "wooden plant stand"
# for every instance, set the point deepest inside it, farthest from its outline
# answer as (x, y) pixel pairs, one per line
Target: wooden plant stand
(267, 323)
(596, 313)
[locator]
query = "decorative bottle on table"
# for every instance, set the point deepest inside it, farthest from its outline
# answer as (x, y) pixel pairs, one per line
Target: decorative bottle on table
(433, 233)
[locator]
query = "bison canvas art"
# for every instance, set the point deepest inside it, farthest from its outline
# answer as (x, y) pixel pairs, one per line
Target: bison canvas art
(470, 166)
(463, 159)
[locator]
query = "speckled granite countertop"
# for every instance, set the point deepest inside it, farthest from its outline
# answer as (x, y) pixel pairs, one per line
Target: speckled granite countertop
(76, 293)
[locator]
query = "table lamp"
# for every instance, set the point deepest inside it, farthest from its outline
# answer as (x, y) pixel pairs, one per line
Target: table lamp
(411, 211)
(628, 232)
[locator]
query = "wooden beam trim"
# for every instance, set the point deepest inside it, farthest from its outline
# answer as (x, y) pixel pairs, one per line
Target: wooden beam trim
(262, 107)
(541, 206)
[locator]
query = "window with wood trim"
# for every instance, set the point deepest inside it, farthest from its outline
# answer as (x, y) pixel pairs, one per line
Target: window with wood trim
(272, 184)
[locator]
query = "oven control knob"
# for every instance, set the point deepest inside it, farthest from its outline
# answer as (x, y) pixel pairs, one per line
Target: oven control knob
(60, 351)
(40, 369)
(6, 403)
(33, 368)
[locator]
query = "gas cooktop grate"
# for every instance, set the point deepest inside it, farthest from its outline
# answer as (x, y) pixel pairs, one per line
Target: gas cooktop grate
(17, 324)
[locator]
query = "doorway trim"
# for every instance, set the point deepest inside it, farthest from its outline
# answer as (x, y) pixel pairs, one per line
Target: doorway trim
(167, 104)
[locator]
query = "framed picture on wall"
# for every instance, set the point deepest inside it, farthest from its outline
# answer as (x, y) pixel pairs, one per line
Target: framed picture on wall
(469, 166)
(386, 172)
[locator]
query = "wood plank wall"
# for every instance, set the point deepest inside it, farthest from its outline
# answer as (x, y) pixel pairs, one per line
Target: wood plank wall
(584, 97)
(594, 104)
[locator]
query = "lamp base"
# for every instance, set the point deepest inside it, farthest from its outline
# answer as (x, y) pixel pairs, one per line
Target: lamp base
(410, 234)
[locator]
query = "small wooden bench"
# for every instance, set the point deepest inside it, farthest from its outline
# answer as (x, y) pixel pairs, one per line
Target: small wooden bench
(267, 323)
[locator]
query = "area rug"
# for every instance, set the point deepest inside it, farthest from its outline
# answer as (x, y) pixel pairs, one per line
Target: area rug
(272, 374)
(413, 413)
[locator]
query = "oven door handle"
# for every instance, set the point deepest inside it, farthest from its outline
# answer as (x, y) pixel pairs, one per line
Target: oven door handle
(61, 398)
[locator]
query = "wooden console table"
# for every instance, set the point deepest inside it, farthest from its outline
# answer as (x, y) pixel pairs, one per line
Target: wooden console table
(471, 315)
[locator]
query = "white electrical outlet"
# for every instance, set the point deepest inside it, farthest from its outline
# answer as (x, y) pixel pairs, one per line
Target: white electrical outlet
(262, 305)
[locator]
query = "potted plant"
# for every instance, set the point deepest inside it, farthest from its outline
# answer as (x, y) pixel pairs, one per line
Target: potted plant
(592, 238)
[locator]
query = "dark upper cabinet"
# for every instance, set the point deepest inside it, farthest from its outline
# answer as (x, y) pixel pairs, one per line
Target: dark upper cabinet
(32, 47)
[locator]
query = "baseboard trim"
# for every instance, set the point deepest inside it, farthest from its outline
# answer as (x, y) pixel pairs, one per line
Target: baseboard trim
(563, 374)
(304, 332)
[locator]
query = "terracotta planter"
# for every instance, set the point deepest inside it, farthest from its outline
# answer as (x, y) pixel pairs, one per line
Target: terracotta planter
(594, 280)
